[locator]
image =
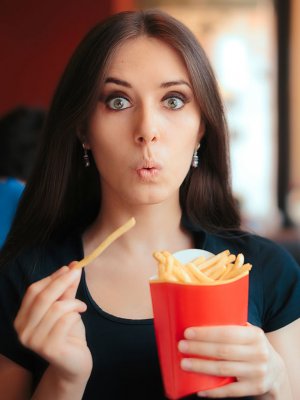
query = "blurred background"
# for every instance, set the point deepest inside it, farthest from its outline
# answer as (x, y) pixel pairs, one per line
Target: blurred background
(254, 47)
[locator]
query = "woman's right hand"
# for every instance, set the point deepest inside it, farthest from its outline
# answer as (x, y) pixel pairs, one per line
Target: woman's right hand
(49, 323)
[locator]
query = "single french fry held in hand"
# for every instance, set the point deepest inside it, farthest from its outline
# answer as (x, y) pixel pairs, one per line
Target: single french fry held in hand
(108, 241)
(220, 268)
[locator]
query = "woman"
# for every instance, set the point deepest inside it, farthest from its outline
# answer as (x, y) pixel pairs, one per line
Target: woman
(136, 101)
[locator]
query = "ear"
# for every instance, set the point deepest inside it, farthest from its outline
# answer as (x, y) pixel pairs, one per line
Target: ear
(201, 130)
(200, 135)
(82, 136)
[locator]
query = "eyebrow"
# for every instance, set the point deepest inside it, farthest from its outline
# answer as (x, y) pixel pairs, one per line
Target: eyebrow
(163, 85)
(117, 82)
(174, 83)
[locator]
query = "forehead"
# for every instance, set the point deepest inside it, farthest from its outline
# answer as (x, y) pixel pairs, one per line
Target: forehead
(149, 56)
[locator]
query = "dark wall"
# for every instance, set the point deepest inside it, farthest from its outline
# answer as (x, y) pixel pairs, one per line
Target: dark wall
(37, 38)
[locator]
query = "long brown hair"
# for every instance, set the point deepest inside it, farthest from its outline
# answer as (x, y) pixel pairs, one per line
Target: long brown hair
(61, 195)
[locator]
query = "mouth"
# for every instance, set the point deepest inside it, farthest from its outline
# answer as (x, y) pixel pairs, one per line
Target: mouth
(148, 169)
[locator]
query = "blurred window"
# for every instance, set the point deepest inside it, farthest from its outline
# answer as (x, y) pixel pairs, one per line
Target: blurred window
(239, 37)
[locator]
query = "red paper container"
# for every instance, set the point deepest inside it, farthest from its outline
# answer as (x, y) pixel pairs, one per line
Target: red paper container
(179, 306)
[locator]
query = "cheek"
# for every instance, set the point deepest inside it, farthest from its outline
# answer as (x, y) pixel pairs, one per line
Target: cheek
(110, 158)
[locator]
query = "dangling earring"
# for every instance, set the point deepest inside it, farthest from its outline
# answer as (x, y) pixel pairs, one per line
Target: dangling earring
(195, 159)
(86, 159)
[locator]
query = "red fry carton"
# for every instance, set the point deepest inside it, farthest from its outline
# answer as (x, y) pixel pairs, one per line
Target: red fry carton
(178, 306)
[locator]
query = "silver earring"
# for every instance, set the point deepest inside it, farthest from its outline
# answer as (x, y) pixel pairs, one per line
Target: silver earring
(86, 159)
(195, 159)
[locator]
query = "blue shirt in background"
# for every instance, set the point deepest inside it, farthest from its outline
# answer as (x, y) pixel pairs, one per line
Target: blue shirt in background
(10, 193)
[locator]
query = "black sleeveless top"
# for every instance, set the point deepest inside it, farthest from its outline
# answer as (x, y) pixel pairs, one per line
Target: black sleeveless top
(124, 351)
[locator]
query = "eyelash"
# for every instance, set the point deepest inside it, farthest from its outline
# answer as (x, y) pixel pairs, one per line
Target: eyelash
(179, 96)
(114, 96)
(176, 95)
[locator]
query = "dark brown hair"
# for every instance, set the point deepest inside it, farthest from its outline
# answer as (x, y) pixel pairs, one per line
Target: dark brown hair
(62, 195)
(20, 131)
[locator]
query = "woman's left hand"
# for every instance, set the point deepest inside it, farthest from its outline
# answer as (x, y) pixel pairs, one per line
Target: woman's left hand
(240, 351)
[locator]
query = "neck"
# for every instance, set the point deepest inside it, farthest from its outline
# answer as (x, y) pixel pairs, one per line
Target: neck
(157, 227)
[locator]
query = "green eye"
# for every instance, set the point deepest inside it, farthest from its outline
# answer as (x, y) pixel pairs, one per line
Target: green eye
(174, 103)
(118, 103)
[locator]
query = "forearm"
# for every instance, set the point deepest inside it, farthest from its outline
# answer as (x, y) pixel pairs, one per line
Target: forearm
(54, 386)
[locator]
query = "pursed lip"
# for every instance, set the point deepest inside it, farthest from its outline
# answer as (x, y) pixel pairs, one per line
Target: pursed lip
(148, 169)
(148, 164)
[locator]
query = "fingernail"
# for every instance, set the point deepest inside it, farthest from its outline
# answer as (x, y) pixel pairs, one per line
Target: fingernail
(75, 273)
(186, 364)
(72, 264)
(189, 333)
(183, 346)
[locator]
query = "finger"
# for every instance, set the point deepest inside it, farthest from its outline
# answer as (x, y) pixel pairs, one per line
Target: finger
(30, 316)
(34, 337)
(56, 338)
(220, 351)
(72, 264)
(219, 367)
(70, 293)
(40, 285)
(61, 331)
(235, 389)
(32, 291)
(225, 334)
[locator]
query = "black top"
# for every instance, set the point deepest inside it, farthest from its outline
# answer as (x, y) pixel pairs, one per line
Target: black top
(124, 350)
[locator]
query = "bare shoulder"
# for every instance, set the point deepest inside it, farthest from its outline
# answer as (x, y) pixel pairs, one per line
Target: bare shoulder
(15, 381)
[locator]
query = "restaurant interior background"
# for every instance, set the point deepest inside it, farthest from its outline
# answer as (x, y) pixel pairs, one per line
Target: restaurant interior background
(254, 47)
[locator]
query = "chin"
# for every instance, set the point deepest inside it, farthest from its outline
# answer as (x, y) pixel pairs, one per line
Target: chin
(150, 198)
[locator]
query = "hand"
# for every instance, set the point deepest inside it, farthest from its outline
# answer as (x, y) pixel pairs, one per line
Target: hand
(240, 351)
(49, 323)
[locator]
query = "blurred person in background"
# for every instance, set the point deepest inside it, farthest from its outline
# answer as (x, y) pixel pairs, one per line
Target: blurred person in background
(19, 133)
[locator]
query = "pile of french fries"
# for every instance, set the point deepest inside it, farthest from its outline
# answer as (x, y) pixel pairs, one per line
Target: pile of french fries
(221, 268)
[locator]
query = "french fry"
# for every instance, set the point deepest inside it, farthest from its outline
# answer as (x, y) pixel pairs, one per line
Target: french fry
(181, 275)
(199, 260)
(214, 269)
(238, 271)
(192, 277)
(212, 260)
(200, 276)
(228, 268)
(239, 260)
(170, 263)
(221, 268)
(108, 241)
(235, 269)
(170, 278)
(159, 257)
(161, 270)
(218, 272)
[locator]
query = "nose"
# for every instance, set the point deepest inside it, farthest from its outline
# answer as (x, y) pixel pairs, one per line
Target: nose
(146, 127)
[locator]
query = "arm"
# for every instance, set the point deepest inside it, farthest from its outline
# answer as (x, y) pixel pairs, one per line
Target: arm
(54, 386)
(15, 381)
(286, 343)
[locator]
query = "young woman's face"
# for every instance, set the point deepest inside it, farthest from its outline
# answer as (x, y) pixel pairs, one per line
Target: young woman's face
(147, 124)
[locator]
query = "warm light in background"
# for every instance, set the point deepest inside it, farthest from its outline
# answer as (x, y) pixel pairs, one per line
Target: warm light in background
(240, 40)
